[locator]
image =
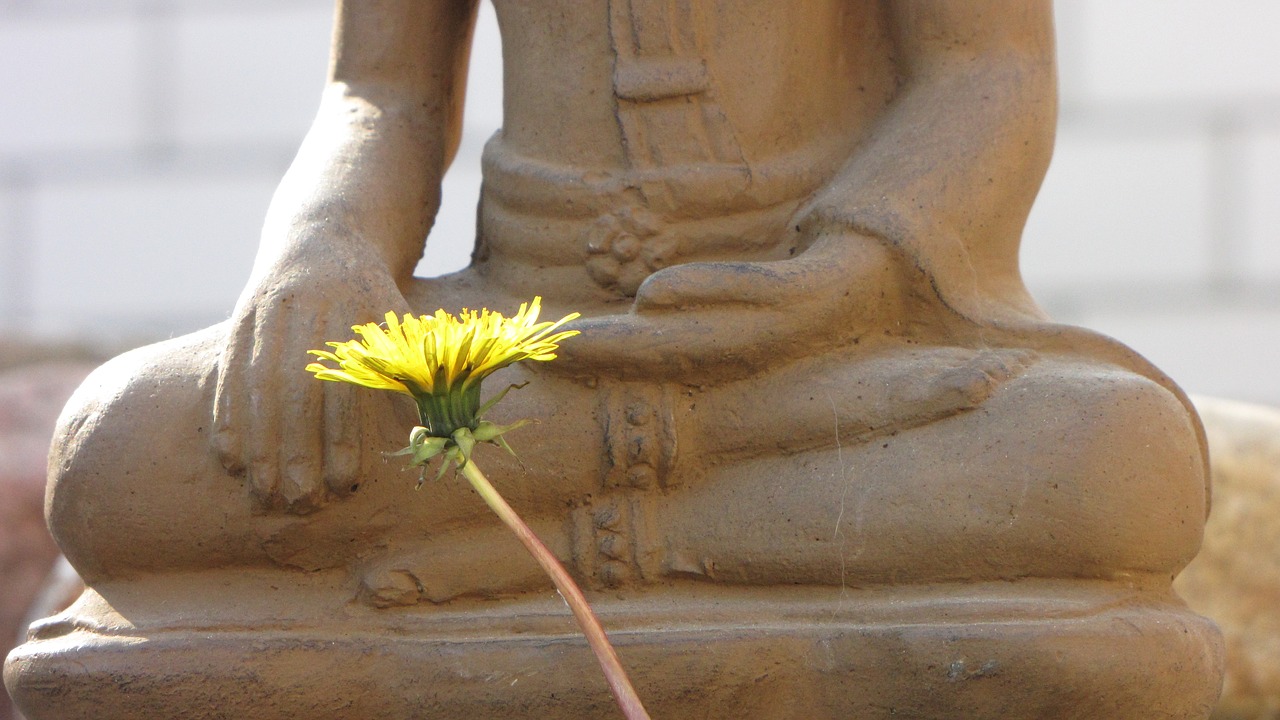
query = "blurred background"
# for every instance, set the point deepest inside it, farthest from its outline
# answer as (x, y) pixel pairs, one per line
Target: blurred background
(141, 140)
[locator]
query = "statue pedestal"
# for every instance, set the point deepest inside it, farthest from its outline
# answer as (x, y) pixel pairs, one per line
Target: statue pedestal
(1032, 649)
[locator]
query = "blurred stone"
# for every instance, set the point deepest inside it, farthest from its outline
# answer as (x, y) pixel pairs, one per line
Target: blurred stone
(31, 397)
(1236, 578)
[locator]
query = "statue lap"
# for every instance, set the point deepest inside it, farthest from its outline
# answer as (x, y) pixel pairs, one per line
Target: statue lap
(1028, 463)
(942, 489)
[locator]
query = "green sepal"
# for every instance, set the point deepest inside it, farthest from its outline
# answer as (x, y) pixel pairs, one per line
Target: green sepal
(415, 438)
(464, 442)
(445, 463)
(491, 432)
(457, 448)
(422, 446)
(502, 443)
(494, 400)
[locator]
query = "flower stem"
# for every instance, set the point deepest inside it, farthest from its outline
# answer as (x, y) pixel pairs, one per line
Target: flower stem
(614, 674)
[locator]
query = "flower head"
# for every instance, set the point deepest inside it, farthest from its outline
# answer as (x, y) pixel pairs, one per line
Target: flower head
(440, 360)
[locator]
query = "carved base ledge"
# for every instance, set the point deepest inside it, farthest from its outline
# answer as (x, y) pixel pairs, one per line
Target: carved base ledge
(1032, 649)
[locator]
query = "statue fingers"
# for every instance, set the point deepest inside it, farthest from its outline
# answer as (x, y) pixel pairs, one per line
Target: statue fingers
(685, 345)
(600, 342)
(831, 259)
(230, 404)
(712, 284)
(298, 439)
(343, 430)
(263, 399)
(294, 424)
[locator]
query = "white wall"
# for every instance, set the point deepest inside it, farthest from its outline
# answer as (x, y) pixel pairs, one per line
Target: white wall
(1159, 222)
(140, 141)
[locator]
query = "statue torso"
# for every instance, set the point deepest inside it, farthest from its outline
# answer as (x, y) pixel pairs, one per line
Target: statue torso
(612, 84)
(632, 126)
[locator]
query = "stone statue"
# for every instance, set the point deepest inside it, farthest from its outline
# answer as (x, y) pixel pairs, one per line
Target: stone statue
(817, 451)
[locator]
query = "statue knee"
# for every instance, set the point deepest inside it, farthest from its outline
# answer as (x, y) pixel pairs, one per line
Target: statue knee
(1123, 473)
(131, 476)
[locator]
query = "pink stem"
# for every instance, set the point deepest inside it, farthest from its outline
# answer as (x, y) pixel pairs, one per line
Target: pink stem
(614, 674)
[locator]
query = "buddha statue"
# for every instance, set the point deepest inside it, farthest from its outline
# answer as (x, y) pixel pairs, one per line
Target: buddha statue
(816, 453)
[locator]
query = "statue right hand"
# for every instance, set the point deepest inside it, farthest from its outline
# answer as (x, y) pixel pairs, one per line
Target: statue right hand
(295, 438)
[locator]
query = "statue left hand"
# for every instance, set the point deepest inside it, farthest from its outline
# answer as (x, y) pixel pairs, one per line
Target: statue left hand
(720, 320)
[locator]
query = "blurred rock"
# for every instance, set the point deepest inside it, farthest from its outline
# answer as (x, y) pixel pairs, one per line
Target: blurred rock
(31, 396)
(1236, 578)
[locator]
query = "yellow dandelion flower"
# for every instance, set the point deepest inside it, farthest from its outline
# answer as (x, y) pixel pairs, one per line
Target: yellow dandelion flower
(440, 360)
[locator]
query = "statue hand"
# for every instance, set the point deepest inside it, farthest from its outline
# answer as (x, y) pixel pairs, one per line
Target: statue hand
(291, 435)
(730, 319)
